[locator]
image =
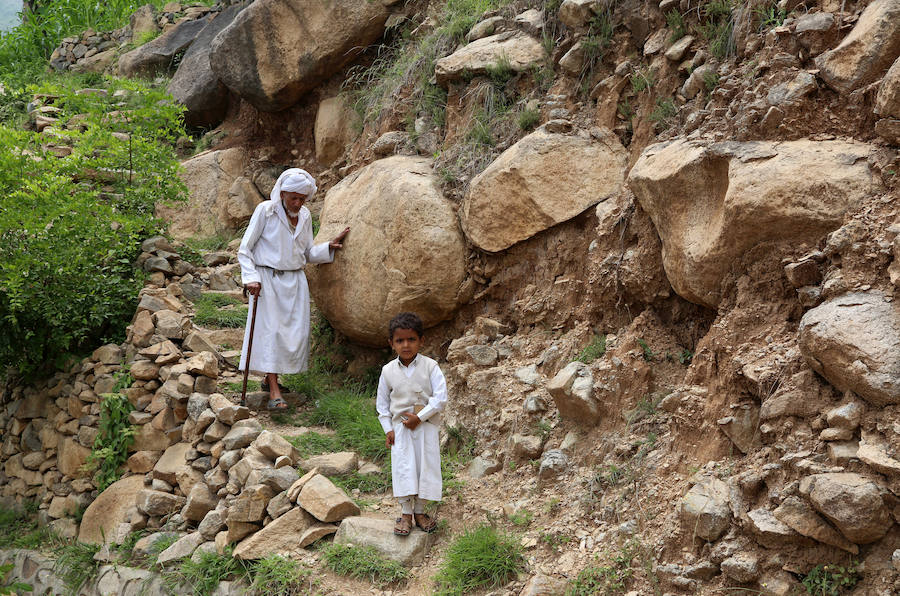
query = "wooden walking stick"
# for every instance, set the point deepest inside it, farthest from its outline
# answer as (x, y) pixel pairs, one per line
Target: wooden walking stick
(249, 347)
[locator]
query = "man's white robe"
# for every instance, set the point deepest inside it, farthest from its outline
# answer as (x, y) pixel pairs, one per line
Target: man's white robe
(274, 255)
(416, 454)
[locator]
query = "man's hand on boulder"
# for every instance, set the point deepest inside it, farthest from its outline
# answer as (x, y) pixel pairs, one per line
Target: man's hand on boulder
(253, 288)
(337, 241)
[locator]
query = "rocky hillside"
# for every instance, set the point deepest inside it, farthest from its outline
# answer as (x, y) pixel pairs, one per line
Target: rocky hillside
(654, 244)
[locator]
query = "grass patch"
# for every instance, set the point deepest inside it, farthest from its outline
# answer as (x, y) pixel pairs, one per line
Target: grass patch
(363, 562)
(643, 79)
(677, 25)
(365, 483)
(219, 310)
(646, 353)
(664, 111)
(710, 81)
(14, 587)
(717, 27)
(159, 545)
(20, 529)
(313, 443)
(202, 577)
(528, 119)
(277, 576)
(236, 386)
(769, 17)
(480, 558)
(353, 418)
(75, 564)
(605, 579)
(593, 350)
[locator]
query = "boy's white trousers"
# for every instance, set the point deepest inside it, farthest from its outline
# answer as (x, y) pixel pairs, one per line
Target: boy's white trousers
(416, 462)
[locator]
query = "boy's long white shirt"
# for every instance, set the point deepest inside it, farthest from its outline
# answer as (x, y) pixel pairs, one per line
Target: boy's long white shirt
(435, 404)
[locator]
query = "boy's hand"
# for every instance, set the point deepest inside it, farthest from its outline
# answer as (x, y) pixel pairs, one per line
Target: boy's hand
(389, 440)
(411, 421)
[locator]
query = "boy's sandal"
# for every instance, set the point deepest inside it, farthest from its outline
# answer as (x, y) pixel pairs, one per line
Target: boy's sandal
(264, 386)
(425, 522)
(402, 527)
(277, 405)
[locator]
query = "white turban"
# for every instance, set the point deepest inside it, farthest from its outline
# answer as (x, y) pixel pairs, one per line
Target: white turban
(294, 180)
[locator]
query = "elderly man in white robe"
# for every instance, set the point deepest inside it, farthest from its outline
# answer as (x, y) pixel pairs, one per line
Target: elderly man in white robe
(277, 245)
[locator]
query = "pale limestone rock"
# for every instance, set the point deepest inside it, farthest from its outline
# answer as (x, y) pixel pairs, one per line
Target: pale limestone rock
(294, 491)
(379, 534)
(528, 188)
(142, 462)
(282, 535)
(274, 446)
(326, 502)
(520, 51)
(71, 457)
(416, 264)
(769, 531)
(181, 548)
(250, 506)
(333, 464)
(171, 462)
(212, 524)
(866, 51)
(704, 509)
(200, 502)
(204, 363)
(707, 200)
(271, 59)
(851, 502)
(336, 127)
(157, 503)
(887, 102)
(572, 389)
(578, 13)
(853, 342)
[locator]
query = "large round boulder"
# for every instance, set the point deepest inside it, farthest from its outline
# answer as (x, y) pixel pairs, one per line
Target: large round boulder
(405, 251)
(543, 180)
(854, 342)
(712, 202)
(277, 50)
(103, 516)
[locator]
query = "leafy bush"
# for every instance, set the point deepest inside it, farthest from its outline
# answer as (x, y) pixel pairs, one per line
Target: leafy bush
(528, 119)
(480, 558)
(831, 580)
(110, 450)
(363, 562)
(593, 350)
(70, 227)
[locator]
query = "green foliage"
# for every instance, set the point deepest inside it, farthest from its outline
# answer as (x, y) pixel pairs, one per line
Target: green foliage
(685, 357)
(110, 450)
(500, 73)
(145, 37)
(710, 81)
(769, 17)
(593, 350)
(606, 579)
(75, 564)
(15, 587)
(161, 543)
(313, 443)
(365, 483)
(20, 529)
(646, 352)
(70, 227)
(352, 416)
(521, 518)
(363, 562)
(597, 40)
(831, 580)
(665, 110)
(278, 576)
(643, 79)
(480, 558)
(202, 577)
(677, 26)
(554, 540)
(717, 27)
(219, 310)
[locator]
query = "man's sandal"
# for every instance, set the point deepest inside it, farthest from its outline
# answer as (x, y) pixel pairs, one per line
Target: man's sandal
(264, 386)
(425, 522)
(403, 526)
(277, 405)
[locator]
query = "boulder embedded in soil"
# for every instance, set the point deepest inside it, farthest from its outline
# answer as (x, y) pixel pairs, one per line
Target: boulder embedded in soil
(326, 502)
(277, 50)
(799, 516)
(518, 50)
(389, 264)
(379, 534)
(852, 502)
(870, 48)
(289, 532)
(530, 187)
(572, 391)
(108, 510)
(333, 464)
(712, 202)
(705, 509)
(854, 342)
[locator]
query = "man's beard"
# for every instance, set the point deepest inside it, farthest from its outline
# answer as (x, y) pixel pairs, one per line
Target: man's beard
(293, 213)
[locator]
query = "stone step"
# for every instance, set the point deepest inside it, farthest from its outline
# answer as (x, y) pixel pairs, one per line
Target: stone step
(379, 534)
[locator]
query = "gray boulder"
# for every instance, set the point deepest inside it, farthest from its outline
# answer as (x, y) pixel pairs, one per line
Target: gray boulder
(157, 56)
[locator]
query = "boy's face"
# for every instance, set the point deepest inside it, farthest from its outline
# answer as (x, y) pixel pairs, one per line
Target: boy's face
(407, 344)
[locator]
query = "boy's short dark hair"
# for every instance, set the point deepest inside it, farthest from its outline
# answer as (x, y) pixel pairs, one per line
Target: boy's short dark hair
(406, 320)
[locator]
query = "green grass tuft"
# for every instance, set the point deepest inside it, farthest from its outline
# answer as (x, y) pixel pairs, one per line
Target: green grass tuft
(593, 350)
(363, 562)
(202, 576)
(278, 576)
(480, 558)
(528, 119)
(75, 564)
(219, 310)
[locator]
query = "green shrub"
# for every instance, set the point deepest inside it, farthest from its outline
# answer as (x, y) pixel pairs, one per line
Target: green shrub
(354, 420)
(593, 350)
(70, 228)
(363, 562)
(769, 16)
(717, 27)
(831, 580)
(664, 111)
(643, 79)
(677, 26)
(110, 449)
(528, 119)
(75, 564)
(480, 558)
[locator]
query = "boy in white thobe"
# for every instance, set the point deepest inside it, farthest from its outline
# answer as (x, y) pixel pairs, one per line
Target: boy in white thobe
(412, 392)
(277, 245)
